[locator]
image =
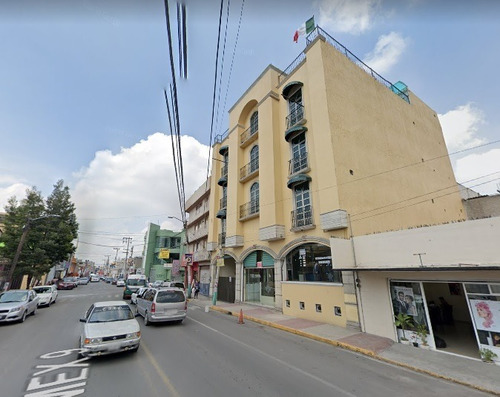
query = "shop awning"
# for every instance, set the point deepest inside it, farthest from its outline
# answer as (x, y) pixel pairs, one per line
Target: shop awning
(291, 88)
(221, 214)
(300, 178)
(223, 150)
(222, 181)
(291, 132)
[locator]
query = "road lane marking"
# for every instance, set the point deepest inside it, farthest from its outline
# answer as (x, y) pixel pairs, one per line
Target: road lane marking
(160, 372)
(284, 363)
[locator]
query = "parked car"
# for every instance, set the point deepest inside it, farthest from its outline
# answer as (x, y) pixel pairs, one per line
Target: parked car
(109, 327)
(73, 280)
(65, 284)
(47, 294)
(114, 281)
(94, 279)
(108, 280)
(162, 304)
(120, 283)
(17, 304)
(135, 294)
(176, 284)
(156, 284)
(83, 280)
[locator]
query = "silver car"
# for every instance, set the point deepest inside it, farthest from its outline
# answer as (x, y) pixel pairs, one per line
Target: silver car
(162, 304)
(47, 294)
(17, 304)
(109, 327)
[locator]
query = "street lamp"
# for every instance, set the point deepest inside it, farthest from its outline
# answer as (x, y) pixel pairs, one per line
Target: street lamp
(26, 229)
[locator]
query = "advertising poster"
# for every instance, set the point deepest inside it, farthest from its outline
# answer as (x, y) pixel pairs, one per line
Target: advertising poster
(403, 301)
(486, 314)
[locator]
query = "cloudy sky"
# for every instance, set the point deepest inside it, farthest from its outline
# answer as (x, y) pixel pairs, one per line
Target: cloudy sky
(81, 92)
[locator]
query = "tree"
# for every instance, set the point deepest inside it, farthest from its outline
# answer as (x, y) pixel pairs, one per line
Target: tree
(49, 240)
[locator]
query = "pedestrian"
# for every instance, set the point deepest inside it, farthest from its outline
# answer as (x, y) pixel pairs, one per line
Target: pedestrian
(196, 288)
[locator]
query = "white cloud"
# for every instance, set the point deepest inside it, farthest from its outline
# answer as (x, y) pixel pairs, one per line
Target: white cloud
(117, 195)
(482, 170)
(14, 189)
(460, 127)
(386, 53)
(461, 130)
(348, 16)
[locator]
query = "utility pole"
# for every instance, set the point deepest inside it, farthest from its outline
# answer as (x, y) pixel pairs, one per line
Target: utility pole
(127, 240)
(116, 254)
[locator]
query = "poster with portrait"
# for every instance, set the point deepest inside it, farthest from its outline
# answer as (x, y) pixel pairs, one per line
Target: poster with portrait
(486, 314)
(404, 301)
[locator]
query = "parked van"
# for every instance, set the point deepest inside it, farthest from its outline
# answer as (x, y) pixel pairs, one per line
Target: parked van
(162, 304)
(133, 283)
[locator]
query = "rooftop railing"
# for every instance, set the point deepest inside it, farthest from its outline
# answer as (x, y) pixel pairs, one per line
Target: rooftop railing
(342, 49)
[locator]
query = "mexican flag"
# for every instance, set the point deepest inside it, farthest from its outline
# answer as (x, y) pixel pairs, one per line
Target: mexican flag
(303, 29)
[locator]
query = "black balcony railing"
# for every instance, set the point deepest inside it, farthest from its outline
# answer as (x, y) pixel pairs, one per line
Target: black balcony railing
(302, 217)
(295, 116)
(222, 239)
(249, 168)
(298, 163)
(248, 133)
(223, 203)
(248, 209)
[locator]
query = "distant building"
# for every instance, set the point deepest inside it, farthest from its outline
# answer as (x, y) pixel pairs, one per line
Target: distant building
(162, 255)
(197, 206)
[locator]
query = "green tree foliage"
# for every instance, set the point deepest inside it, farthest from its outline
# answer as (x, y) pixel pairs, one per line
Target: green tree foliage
(49, 240)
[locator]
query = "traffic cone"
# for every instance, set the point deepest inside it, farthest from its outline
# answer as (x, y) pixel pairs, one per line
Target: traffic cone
(240, 318)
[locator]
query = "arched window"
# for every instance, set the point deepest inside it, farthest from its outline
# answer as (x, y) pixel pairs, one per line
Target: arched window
(254, 159)
(295, 109)
(254, 198)
(254, 123)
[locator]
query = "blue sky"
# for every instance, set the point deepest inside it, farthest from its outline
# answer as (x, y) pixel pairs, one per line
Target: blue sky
(81, 92)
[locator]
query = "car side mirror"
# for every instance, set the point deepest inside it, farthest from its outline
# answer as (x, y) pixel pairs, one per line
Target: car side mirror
(82, 320)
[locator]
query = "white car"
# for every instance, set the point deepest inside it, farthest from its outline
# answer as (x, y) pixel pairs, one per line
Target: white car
(109, 327)
(120, 283)
(135, 294)
(47, 294)
(17, 304)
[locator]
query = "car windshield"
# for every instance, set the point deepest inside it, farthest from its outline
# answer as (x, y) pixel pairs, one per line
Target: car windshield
(107, 314)
(170, 297)
(13, 296)
(136, 282)
(68, 280)
(42, 290)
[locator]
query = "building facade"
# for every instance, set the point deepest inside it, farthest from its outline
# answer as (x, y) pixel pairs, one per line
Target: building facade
(326, 148)
(197, 207)
(162, 254)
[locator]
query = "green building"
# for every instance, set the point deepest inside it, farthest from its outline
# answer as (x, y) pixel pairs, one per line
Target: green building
(163, 251)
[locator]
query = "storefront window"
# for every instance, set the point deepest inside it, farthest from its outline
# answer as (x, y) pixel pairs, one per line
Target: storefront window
(407, 300)
(311, 262)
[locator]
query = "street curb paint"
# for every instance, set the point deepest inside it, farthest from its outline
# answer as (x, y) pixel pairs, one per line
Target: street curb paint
(357, 349)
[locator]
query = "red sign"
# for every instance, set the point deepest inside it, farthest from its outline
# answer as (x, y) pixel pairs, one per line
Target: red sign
(259, 264)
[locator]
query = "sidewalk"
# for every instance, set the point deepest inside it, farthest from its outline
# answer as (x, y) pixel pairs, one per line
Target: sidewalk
(461, 370)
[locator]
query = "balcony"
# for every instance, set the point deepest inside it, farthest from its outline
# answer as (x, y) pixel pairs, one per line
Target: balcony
(223, 177)
(248, 136)
(223, 203)
(249, 210)
(222, 239)
(302, 219)
(249, 170)
(296, 116)
(197, 234)
(297, 164)
(202, 255)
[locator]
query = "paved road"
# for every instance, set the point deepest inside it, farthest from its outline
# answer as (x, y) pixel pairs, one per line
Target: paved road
(209, 354)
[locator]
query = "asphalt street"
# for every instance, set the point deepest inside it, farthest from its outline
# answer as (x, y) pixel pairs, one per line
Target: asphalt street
(209, 354)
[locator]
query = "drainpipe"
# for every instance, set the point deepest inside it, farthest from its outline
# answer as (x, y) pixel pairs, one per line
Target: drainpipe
(361, 315)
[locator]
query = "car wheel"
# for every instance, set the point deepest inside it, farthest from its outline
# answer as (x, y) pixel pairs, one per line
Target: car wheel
(134, 350)
(50, 303)
(146, 320)
(23, 318)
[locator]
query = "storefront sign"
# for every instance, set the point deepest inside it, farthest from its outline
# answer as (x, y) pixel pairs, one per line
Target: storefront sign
(486, 314)
(220, 261)
(164, 254)
(188, 259)
(259, 264)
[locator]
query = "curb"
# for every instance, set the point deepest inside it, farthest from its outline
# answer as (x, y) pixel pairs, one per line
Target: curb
(357, 349)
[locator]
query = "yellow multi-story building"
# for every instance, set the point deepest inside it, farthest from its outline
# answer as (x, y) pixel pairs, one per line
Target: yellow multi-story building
(326, 148)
